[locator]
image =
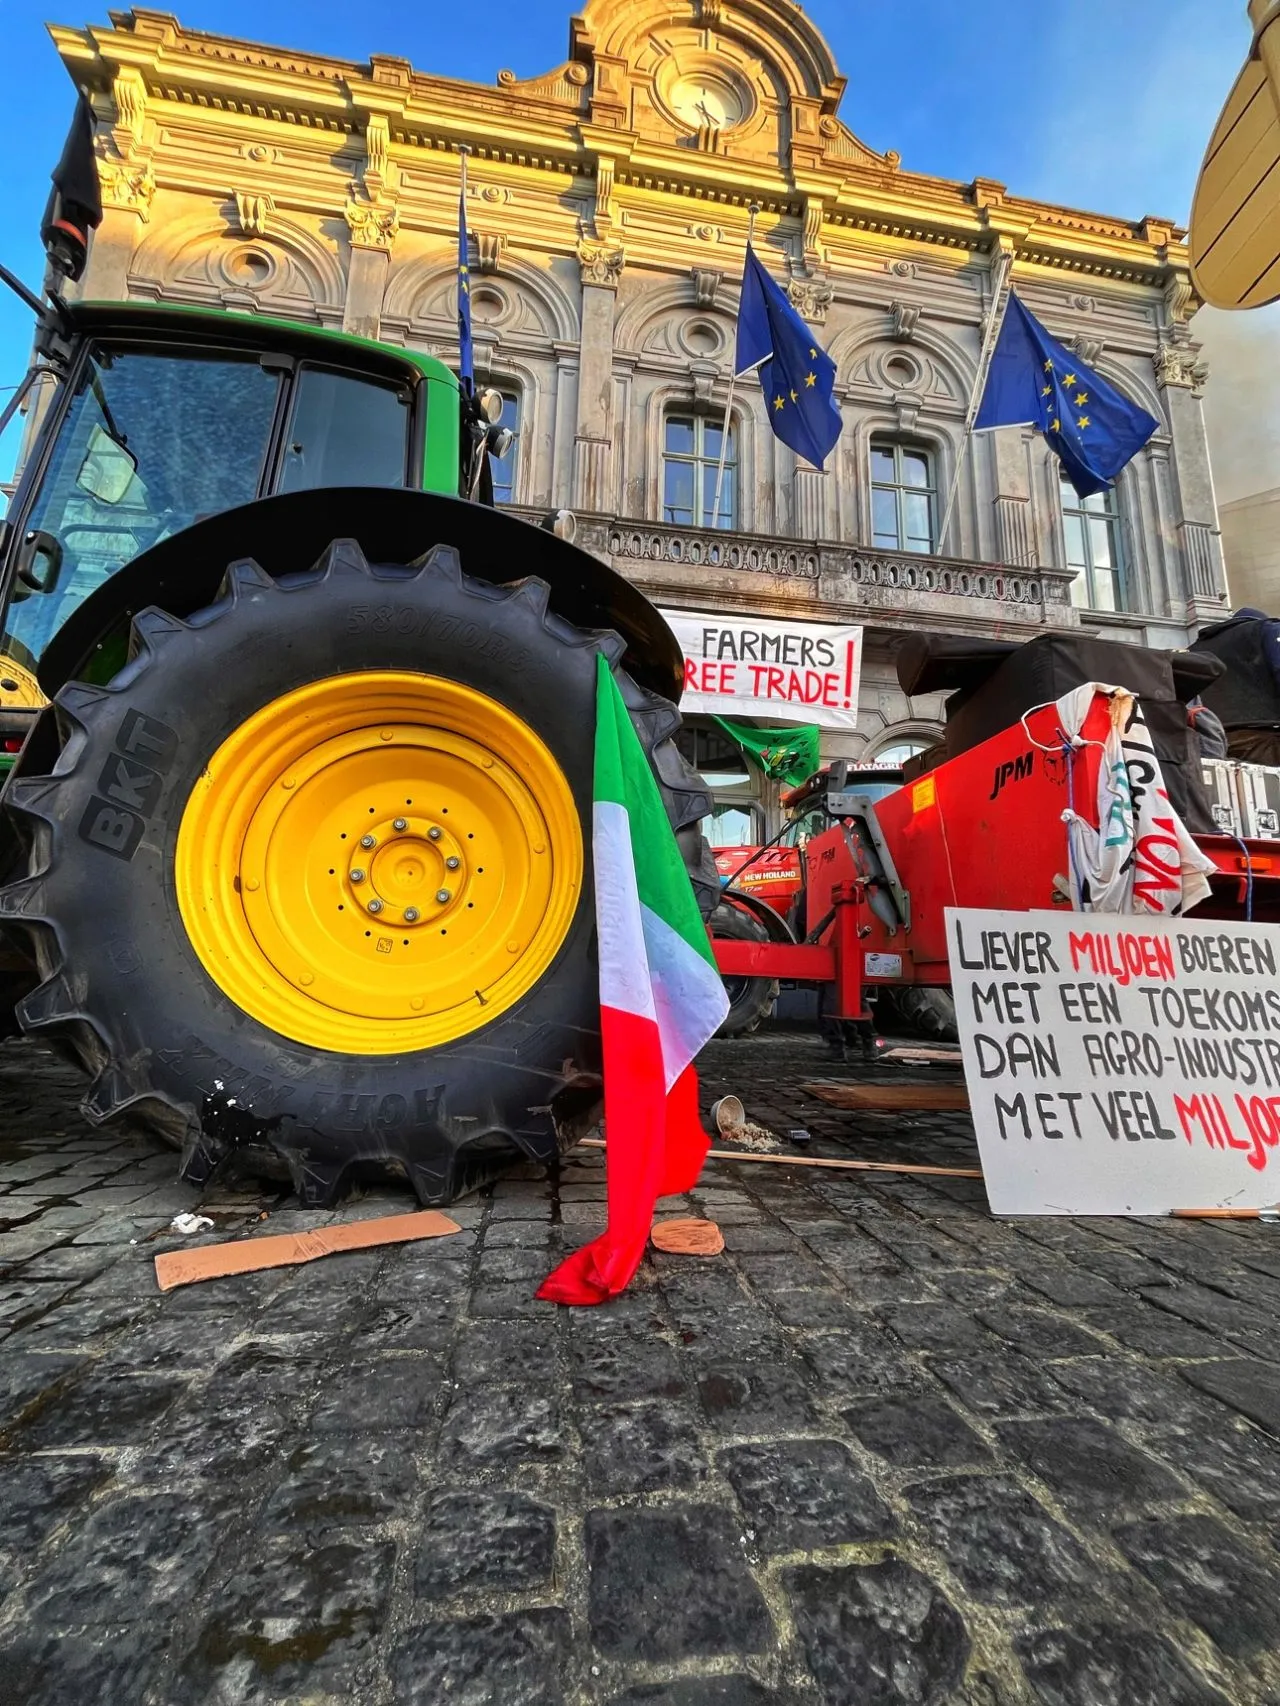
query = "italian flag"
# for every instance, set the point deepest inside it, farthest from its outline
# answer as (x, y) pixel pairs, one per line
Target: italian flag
(661, 999)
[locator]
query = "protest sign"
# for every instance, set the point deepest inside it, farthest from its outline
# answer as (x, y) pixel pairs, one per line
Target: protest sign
(789, 672)
(1120, 1064)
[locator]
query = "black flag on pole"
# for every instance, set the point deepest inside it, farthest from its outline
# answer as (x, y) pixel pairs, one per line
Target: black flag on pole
(75, 201)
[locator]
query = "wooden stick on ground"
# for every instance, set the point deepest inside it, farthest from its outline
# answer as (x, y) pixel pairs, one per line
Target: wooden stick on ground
(819, 1161)
(1225, 1213)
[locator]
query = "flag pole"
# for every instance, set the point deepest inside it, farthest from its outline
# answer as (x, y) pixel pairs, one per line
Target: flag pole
(752, 210)
(995, 320)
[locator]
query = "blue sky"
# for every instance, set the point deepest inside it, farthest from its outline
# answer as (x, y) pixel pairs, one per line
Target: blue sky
(1100, 104)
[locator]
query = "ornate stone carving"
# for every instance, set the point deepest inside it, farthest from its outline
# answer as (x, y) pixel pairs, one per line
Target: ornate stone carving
(496, 194)
(1179, 364)
(130, 188)
(707, 13)
(901, 269)
(489, 247)
(1199, 550)
(253, 212)
(1180, 301)
(372, 226)
(705, 286)
(604, 194)
(810, 297)
(377, 141)
(814, 214)
(905, 316)
(1088, 349)
(707, 233)
(703, 383)
(129, 93)
(600, 263)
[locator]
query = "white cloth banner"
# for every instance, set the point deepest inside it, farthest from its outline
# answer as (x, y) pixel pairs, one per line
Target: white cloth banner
(785, 672)
(1141, 857)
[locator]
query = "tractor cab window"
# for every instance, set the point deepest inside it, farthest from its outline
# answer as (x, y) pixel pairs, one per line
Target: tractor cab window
(150, 443)
(344, 431)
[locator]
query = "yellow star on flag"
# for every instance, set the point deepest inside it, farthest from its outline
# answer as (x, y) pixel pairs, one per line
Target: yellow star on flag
(1083, 397)
(794, 398)
(1047, 391)
(813, 355)
(1055, 425)
(1083, 421)
(779, 402)
(1048, 367)
(811, 378)
(1070, 379)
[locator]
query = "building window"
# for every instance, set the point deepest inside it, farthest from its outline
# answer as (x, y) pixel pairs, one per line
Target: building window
(903, 497)
(901, 750)
(690, 462)
(1091, 530)
(737, 818)
(504, 469)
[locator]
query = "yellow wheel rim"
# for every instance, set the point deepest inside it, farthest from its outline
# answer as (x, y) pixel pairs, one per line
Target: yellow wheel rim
(379, 862)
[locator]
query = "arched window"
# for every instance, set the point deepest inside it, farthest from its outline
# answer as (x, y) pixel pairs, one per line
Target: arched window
(903, 497)
(690, 461)
(899, 751)
(504, 469)
(1092, 533)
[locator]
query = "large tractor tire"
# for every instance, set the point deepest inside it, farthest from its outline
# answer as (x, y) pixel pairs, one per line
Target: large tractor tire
(920, 1010)
(751, 999)
(310, 880)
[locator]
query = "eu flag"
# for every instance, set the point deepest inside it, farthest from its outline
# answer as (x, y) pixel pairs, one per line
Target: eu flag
(1034, 379)
(796, 375)
(466, 350)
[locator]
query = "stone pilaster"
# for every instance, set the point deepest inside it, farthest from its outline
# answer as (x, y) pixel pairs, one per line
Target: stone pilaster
(811, 503)
(592, 459)
(1015, 533)
(1180, 378)
(1015, 529)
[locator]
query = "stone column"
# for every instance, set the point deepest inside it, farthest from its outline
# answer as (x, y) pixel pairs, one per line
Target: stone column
(1015, 522)
(127, 192)
(811, 502)
(592, 459)
(373, 229)
(1181, 376)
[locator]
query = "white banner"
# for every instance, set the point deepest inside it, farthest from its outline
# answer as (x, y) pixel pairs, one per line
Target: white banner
(785, 672)
(1120, 1065)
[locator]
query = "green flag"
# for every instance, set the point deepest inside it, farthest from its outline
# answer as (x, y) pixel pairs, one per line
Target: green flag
(785, 755)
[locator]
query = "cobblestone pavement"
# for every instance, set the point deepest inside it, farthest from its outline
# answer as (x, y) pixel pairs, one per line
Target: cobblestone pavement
(885, 1450)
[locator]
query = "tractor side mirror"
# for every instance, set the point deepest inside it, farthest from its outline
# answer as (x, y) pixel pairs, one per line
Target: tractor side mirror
(108, 468)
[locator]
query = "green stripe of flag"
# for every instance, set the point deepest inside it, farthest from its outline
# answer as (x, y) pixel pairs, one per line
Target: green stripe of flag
(622, 774)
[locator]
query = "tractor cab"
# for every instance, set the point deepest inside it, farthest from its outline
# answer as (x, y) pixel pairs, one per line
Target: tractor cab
(161, 418)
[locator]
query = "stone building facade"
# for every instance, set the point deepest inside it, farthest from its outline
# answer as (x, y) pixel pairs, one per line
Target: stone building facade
(608, 210)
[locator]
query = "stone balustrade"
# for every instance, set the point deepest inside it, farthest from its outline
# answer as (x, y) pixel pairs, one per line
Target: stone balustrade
(895, 589)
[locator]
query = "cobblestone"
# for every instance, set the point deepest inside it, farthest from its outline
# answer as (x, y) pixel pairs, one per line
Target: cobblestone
(884, 1450)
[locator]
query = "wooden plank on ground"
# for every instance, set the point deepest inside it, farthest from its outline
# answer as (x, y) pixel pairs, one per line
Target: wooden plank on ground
(892, 1098)
(249, 1255)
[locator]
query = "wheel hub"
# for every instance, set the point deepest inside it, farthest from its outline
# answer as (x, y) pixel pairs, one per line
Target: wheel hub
(378, 862)
(417, 878)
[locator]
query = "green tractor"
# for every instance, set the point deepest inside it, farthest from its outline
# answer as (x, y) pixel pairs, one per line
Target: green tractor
(295, 854)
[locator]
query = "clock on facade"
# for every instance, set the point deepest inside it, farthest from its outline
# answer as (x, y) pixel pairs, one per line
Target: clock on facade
(700, 99)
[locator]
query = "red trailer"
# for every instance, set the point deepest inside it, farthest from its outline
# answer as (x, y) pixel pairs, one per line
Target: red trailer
(983, 829)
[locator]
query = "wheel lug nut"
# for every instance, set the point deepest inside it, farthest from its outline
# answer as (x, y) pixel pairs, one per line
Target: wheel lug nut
(443, 895)
(401, 823)
(433, 834)
(411, 915)
(452, 862)
(368, 841)
(357, 876)
(375, 905)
